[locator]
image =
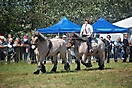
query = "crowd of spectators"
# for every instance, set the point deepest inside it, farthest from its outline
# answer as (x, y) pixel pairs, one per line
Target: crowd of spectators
(16, 50)
(118, 49)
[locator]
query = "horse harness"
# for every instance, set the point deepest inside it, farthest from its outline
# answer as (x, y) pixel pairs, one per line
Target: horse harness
(49, 46)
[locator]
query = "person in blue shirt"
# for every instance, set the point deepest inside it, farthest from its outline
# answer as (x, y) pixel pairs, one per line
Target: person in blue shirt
(118, 49)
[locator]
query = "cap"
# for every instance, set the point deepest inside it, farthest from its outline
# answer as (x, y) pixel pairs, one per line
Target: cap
(64, 36)
(56, 36)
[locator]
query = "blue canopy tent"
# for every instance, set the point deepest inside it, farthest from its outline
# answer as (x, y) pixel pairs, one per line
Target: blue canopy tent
(103, 26)
(63, 26)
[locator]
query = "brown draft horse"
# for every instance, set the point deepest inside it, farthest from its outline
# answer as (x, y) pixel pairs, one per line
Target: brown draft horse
(49, 47)
(81, 51)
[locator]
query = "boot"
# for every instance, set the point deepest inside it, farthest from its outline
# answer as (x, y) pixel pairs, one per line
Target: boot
(90, 47)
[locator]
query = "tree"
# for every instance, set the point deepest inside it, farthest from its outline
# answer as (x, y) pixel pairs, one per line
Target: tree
(21, 16)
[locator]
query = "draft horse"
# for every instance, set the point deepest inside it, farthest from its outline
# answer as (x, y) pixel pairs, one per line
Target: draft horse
(49, 47)
(82, 53)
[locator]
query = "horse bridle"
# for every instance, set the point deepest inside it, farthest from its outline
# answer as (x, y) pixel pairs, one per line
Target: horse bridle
(36, 40)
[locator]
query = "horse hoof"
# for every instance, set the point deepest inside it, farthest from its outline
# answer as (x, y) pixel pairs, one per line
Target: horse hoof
(77, 69)
(67, 67)
(36, 72)
(108, 61)
(52, 71)
(63, 62)
(100, 68)
(88, 65)
(103, 66)
(43, 70)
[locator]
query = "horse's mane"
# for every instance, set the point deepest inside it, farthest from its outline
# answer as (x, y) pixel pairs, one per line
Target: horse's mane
(40, 36)
(78, 37)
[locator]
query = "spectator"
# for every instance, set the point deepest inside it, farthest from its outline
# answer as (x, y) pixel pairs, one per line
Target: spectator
(26, 47)
(69, 52)
(64, 37)
(2, 48)
(21, 49)
(10, 50)
(130, 58)
(17, 45)
(108, 49)
(101, 38)
(9, 36)
(118, 49)
(126, 44)
(32, 53)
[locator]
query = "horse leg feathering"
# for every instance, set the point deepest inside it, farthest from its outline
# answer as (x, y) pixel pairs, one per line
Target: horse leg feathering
(67, 66)
(43, 70)
(40, 66)
(64, 59)
(55, 64)
(78, 65)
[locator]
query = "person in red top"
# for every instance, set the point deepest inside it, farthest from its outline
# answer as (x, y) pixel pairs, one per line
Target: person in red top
(87, 31)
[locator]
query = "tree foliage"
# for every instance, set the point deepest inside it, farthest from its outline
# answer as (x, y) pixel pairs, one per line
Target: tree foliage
(21, 16)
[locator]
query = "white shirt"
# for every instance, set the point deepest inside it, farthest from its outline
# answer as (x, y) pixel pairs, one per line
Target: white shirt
(89, 29)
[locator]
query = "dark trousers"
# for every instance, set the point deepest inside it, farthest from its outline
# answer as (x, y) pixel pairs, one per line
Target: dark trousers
(88, 41)
(130, 59)
(125, 55)
(1, 55)
(108, 53)
(32, 56)
(21, 53)
(17, 54)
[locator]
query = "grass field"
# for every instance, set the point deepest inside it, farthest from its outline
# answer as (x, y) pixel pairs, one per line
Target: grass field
(20, 75)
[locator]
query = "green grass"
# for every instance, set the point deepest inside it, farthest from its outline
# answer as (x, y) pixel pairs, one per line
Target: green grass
(20, 75)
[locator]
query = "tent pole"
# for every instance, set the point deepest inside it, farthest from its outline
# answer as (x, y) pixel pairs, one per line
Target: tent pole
(58, 34)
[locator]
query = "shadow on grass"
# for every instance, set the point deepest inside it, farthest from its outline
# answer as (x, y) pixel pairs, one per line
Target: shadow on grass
(72, 71)
(92, 69)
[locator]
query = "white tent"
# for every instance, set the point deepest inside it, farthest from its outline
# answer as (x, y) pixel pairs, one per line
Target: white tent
(126, 23)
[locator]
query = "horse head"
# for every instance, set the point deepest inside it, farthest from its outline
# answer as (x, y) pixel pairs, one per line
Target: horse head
(37, 37)
(72, 38)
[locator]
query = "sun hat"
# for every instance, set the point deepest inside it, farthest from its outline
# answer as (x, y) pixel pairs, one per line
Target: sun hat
(25, 37)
